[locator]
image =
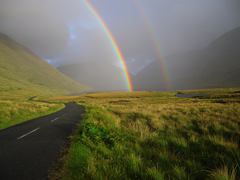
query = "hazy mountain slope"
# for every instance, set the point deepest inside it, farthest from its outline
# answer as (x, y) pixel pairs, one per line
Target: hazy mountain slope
(218, 65)
(99, 76)
(23, 72)
(150, 78)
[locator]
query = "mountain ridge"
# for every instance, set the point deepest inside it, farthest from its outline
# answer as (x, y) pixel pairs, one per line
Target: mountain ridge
(217, 65)
(21, 70)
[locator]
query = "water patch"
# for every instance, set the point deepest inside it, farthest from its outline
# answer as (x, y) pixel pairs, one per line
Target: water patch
(179, 95)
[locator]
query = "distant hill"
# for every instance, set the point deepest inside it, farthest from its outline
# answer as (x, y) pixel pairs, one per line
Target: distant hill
(150, 78)
(99, 76)
(23, 73)
(218, 65)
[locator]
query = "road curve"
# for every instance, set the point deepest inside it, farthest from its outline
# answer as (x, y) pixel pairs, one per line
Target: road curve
(28, 150)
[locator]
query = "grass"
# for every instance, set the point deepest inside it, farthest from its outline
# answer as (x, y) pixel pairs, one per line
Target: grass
(14, 112)
(24, 79)
(151, 135)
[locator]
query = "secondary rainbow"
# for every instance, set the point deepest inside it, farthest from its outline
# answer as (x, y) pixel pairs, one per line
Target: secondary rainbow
(156, 44)
(113, 42)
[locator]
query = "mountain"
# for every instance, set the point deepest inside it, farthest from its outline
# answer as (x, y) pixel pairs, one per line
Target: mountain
(217, 65)
(150, 78)
(99, 76)
(21, 72)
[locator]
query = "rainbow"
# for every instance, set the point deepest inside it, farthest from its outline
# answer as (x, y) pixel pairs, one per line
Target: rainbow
(157, 47)
(112, 41)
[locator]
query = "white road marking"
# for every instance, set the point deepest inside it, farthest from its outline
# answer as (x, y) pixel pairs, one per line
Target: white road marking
(54, 119)
(28, 133)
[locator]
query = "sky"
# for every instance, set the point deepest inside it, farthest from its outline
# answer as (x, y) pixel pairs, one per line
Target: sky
(65, 31)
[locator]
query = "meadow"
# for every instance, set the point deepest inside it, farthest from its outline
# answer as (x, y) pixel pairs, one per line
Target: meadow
(23, 105)
(14, 112)
(155, 135)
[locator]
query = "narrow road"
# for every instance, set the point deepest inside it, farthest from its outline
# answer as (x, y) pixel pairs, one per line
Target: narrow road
(29, 150)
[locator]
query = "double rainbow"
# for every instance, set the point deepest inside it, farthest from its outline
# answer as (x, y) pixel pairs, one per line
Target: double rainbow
(113, 43)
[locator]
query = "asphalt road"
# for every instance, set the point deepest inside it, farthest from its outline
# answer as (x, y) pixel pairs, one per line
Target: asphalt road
(29, 150)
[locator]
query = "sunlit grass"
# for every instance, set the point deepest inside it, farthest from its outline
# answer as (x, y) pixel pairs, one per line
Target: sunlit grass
(224, 174)
(151, 135)
(15, 112)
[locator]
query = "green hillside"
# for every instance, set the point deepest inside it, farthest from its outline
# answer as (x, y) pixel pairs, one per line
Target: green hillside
(23, 74)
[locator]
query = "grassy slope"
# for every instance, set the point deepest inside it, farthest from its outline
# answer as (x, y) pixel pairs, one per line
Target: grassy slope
(156, 136)
(24, 74)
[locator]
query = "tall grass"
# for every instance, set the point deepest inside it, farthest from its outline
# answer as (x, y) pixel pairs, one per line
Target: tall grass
(156, 136)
